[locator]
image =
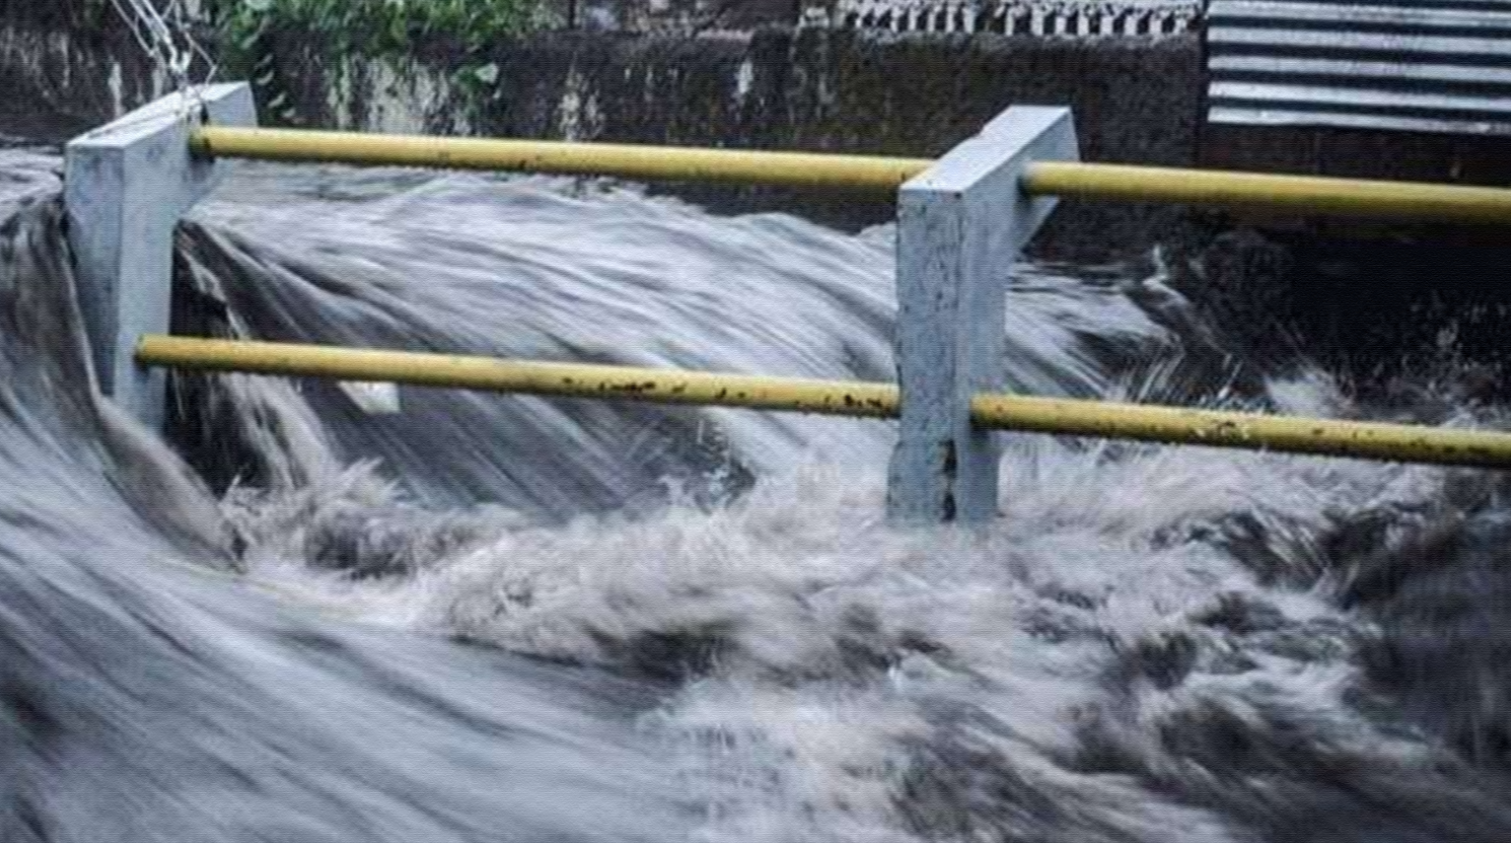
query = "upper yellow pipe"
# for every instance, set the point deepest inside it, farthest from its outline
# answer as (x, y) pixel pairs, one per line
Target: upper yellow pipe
(630, 161)
(1301, 194)
(1369, 440)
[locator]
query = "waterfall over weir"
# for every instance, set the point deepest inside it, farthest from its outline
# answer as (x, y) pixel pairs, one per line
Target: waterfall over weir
(491, 618)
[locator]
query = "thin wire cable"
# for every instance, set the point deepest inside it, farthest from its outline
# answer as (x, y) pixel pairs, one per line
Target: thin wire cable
(167, 38)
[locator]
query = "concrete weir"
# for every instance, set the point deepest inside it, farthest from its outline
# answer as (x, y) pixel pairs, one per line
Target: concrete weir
(125, 186)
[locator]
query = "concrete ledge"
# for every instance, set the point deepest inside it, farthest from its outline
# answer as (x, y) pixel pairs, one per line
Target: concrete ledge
(125, 186)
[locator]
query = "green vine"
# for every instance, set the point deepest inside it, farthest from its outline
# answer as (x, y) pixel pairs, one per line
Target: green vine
(376, 28)
(379, 27)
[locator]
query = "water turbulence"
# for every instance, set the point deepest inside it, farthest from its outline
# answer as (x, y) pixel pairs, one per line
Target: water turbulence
(141, 699)
(427, 615)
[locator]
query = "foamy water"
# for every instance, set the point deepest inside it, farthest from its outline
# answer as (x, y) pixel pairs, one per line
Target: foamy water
(497, 617)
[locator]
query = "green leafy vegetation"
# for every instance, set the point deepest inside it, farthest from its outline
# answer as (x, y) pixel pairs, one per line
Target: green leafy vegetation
(378, 27)
(375, 28)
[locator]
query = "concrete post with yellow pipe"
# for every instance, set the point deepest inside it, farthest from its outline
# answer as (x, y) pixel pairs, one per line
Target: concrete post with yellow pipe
(1074, 417)
(124, 187)
(960, 225)
(1421, 202)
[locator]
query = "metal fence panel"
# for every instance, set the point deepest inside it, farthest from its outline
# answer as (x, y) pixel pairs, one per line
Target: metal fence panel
(1417, 65)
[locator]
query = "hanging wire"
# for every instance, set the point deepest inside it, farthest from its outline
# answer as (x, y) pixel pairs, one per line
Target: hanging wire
(167, 37)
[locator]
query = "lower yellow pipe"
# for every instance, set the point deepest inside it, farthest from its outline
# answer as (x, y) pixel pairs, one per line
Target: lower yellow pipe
(1403, 443)
(1255, 431)
(571, 380)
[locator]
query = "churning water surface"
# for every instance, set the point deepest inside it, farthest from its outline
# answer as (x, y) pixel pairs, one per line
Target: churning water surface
(472, 617)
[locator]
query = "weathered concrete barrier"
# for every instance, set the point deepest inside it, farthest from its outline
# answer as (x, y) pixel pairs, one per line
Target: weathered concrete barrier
(960, 227)
(125, 186)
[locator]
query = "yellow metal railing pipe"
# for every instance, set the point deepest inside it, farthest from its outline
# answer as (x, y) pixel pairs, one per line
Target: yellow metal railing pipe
(1299, 194)
(631, 161)
(1255, 431)
(1369, 440)
(571, 380)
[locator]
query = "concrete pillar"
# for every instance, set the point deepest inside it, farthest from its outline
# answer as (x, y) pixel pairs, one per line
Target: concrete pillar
(125, 187)
(960, 225)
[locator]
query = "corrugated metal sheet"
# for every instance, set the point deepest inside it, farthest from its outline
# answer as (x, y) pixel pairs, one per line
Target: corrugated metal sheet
(1423, 65)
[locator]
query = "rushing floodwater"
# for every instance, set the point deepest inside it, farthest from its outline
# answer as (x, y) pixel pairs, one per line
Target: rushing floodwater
(487, 618)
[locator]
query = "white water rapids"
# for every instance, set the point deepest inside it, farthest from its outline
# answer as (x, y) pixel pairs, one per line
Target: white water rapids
(502, 618)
